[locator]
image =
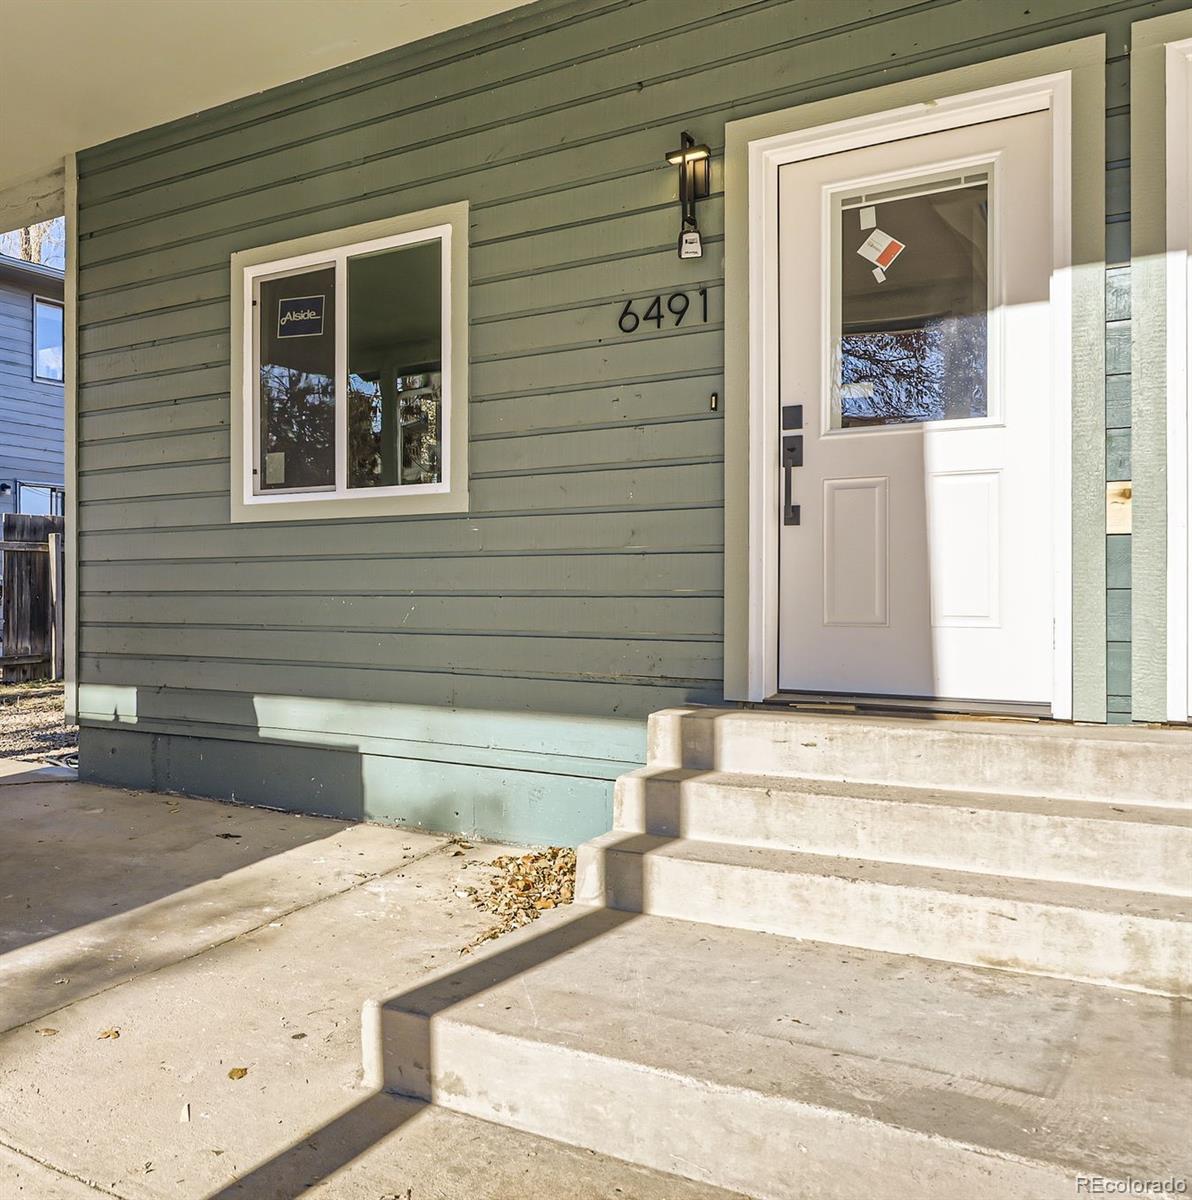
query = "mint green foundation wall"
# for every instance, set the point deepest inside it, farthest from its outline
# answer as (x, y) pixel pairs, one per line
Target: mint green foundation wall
(488, 672)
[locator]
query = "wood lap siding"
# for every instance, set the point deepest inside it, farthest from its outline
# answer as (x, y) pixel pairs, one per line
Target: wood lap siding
(587, 577)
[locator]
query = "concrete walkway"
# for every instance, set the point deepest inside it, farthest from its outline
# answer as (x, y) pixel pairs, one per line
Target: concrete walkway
(213, 938)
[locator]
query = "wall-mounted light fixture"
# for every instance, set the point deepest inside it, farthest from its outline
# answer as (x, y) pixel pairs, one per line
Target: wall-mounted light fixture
(695, 183)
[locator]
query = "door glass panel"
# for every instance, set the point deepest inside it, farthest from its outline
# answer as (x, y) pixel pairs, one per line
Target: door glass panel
(297, 380)
(911, 304)
(395, 363)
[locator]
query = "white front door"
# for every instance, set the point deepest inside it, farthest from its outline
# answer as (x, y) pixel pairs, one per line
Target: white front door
(916, 555)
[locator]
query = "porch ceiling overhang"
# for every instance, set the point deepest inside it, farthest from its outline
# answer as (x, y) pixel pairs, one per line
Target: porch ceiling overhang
(76, 74)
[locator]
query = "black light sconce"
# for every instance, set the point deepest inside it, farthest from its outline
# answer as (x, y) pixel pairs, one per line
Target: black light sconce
(695, 183)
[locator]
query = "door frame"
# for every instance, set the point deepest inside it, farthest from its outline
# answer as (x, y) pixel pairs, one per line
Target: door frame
(755, 151)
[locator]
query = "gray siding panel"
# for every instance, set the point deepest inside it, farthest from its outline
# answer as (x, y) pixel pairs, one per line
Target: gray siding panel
(587, 577)
(31, 412)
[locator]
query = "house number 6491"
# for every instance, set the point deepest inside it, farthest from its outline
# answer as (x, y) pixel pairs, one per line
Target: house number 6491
(677, 304)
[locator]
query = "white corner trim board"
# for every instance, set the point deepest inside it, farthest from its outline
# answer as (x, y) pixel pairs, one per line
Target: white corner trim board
(1178, 197)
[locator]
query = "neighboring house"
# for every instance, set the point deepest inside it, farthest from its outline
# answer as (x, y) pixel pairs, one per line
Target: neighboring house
(31, 391)
(416, 467)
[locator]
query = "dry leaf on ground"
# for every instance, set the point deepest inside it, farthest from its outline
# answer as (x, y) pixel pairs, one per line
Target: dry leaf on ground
(47, 1031)
(524, 886)
(109, 1033)
(237, 1072)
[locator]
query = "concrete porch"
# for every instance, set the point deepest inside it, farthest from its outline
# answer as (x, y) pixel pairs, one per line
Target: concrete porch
(213, 937)
(821, 958)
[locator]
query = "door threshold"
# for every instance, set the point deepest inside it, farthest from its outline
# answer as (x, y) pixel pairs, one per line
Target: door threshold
(911, 706)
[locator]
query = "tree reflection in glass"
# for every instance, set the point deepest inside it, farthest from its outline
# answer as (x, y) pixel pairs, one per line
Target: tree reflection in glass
(912, 344)
(297, 382)
(395, 353)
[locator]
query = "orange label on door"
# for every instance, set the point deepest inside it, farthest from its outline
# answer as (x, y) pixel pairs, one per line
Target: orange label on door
(881, 249)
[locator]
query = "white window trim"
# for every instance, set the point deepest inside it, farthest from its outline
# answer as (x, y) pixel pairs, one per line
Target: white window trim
(55, 303)
(448, 225)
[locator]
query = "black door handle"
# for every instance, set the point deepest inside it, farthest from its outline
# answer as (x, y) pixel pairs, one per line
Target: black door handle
(792, 456)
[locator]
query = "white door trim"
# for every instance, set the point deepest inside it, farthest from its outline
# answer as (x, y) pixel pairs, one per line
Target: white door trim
(766, 155)
(1178, 77)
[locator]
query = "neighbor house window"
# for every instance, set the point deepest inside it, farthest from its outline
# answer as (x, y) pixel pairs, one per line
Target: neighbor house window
(47, 340)
(353, 371)
(40, 499)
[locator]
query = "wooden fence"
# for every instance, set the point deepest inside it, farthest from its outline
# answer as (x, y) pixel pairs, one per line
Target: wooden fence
(32, 597)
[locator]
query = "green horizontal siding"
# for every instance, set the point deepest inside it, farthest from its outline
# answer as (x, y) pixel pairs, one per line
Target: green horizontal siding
(587, 578)
(1117, 467)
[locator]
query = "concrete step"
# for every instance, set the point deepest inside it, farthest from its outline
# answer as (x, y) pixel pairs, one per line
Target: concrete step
(786, 1069)
(1120, 765)
(1137, 847)
(1101, 935)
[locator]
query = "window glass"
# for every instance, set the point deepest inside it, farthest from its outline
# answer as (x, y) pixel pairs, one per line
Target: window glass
(296, 315)
(40, 500)
(47, 341)
(912, 302)
(395, 363)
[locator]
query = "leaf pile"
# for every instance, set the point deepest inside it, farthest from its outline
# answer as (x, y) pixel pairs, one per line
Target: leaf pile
(524, 886)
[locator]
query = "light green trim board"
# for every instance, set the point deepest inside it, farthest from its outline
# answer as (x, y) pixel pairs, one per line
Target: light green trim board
(525, 777)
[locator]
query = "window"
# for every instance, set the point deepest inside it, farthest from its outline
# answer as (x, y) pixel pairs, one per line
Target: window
(40, 499)
(47, 340)
(352, 374)
(911, 342)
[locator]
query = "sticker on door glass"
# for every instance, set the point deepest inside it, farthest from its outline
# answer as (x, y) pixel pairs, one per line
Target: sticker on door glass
(880, 249)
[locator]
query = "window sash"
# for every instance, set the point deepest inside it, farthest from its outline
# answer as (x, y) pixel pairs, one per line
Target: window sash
(40, 304)
(251, 396)
(55, 496)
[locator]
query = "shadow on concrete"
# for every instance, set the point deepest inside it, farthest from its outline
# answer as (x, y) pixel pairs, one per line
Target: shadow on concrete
(121, 852)
(314, 1158)
(101, 885)
(325, 1151)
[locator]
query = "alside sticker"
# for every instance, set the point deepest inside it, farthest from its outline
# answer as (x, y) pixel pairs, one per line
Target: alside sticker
(881, 249)
(300, 316)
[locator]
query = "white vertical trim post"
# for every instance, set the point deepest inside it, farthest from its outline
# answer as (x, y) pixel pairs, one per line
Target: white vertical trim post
(1178, 194)
(341, 373)
(70, 380)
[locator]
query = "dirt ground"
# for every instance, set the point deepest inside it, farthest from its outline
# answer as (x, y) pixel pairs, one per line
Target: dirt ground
(33, 725)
